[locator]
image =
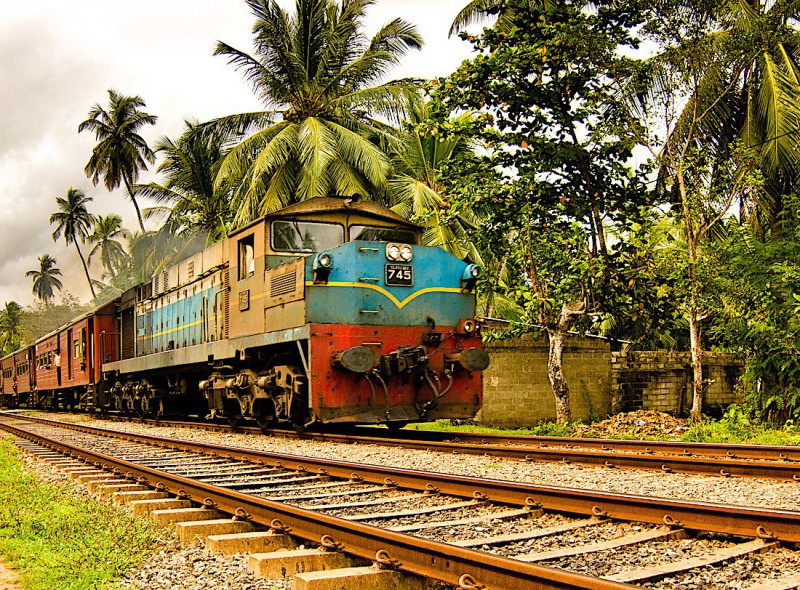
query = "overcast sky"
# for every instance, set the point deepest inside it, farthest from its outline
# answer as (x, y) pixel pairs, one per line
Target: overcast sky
(59, 58)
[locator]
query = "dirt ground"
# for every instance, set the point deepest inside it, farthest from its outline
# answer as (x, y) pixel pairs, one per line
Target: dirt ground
(9, 580)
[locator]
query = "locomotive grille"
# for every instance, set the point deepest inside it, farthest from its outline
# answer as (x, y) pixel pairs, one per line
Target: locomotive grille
(283, 284)
(226, 314)
(128, 334)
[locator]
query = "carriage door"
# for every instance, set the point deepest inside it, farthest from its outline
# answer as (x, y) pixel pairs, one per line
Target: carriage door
(70, 354)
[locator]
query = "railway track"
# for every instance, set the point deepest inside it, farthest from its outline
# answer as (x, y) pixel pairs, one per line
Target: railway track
(781, 463)
(499, 534)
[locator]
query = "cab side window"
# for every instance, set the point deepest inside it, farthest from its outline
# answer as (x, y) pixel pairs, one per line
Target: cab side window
(247, 262)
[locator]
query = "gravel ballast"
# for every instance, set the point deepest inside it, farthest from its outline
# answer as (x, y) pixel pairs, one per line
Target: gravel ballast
(721, 490)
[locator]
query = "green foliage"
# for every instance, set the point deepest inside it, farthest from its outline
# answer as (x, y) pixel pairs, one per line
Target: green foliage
(58, 539)
(11, 330)
(759, 316)
(42, 318)
(108, 231)
(736, 426)
(543, 429)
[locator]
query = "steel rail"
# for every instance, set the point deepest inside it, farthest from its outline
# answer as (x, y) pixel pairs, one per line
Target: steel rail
(454, 565)
(782, 525)
(780, 463)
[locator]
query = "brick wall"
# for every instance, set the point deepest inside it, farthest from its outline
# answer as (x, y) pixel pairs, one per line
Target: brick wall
(662, 381)
(517, 392)
(516, 389)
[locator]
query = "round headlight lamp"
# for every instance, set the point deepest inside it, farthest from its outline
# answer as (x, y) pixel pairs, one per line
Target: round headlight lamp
(406, 253)
(393, 252)
(325, 260)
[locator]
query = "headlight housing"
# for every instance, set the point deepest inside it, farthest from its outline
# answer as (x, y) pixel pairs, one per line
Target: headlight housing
(399, 252)
(470, 276)
(321, 267)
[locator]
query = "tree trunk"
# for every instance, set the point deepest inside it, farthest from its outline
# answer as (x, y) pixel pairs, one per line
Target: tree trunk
(135, 204)
(85, 269)
(695, 413)
(697, 366)
(555, 372)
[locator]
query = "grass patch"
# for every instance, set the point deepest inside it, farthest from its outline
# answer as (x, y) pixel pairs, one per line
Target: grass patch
(56, 538)
(736, 427)
(544, 429)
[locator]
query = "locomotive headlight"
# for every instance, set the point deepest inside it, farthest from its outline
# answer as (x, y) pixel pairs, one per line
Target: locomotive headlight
(406, 253)
(470, 276)
(323, 263)
(325, 260)
(393, 252)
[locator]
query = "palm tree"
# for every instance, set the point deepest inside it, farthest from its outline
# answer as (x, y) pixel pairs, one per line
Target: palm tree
(10, 327)
(416, 191)
(107, 231)
(755, 46)
(45, 279)
(192, 202)
(479, 10)
(121, 153)
(75, 222)
(316, 72)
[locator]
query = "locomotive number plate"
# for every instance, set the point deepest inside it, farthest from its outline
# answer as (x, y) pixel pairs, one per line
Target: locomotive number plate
(400, 275)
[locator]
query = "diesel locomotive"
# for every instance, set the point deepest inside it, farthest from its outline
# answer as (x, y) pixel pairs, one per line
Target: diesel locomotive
(327, 311)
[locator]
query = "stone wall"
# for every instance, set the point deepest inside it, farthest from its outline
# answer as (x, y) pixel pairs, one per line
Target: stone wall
(517, 392)
(662, 381)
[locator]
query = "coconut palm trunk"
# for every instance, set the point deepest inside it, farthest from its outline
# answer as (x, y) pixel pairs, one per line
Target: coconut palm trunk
(86, 270)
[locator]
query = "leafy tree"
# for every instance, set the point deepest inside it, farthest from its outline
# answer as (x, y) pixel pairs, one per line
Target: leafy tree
(107, 233)
(10, 328)
(121, 153)
(45, 280)
(318, 75)
(701, 169)
(542, 83)
(75, 222)
(191, 201)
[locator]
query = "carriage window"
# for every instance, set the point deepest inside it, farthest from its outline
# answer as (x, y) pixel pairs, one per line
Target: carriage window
(382, 234)
(247, 261)
(305, 236)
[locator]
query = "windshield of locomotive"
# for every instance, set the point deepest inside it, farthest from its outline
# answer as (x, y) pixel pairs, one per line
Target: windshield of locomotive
(382, 234)
(305, 236)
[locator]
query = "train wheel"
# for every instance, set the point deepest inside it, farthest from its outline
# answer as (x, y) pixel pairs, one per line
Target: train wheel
(396, 425)
(233, 420)
(266, 422)
(158, 409)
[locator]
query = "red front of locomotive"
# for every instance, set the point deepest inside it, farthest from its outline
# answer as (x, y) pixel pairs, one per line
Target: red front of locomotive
(420, 374)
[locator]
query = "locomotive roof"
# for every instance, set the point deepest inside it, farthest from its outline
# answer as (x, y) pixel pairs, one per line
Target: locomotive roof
(332, 205)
